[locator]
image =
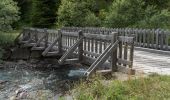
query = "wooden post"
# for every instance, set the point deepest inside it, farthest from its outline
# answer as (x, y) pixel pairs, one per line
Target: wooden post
(131, 53)
(46, 38)
(36, 35)
(80, 47)
(114, 53)
(60, 41)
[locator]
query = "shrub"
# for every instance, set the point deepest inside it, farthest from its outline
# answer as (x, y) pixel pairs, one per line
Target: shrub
(123, 13)
(76, 13)
(160, 19)
(8, 14)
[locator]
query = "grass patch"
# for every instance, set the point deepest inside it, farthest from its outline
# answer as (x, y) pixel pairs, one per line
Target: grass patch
(154, 87)
(7, 38)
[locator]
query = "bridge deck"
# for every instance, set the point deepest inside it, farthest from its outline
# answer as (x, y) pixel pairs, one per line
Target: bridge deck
(148, 62)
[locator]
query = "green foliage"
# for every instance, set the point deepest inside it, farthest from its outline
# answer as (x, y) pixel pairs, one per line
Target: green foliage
(25, 11)
(124, 13)
(7, 39)
(157, 20)
(44, 13)
(92, 20)
(138, 13)
(8, 14)
(154, 87)
(76, 13)
(1, 54)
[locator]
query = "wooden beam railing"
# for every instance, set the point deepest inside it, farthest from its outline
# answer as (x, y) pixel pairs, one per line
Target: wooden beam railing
(146, 38)
(96, 49)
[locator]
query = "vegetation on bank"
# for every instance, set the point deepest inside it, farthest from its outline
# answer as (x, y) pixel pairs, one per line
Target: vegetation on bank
(100, 13)
(6, 40)
(154, 87)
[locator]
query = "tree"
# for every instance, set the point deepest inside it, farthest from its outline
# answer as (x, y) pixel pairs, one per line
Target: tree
(124, 13)
(25, 10)
(44, 13)
(76, 13)
(9, 13)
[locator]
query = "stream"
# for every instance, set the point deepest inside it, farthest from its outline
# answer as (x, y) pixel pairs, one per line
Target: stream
(22, 80)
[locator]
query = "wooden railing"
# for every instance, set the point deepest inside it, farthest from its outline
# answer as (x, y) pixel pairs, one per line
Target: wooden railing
(99, 51)
(146, 38)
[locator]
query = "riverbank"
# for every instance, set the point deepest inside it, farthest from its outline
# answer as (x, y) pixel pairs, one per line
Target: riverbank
(152, 87)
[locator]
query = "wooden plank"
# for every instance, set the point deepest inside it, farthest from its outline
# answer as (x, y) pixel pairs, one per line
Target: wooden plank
(131, 55)
(114, 52)
(80, 47)
(167, 40)
(153, 39)
(97, 36)
(120, 51)
(144, 38)
(161, 39)
(46, 38)
(140, 37)
(52, 54)
(128, 40)
(38, 48)
(91, 53)
(157, 38)
(71, 61)
(73, 34)
(125, 51)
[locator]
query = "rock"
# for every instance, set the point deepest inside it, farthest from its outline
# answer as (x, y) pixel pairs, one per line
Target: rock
(22, 95)
(13, 98)
(34, 61)
(18, 91)
(22, 62)
(3, 82)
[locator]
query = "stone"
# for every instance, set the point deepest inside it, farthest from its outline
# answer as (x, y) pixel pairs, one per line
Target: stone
(22, 62)
(13, 98)
(22, 95)
(3, 82)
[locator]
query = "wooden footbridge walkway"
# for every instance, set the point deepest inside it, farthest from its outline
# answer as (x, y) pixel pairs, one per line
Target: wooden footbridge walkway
(104, 50)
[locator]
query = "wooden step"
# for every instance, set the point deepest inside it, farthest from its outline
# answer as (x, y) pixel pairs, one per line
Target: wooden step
(38, 48)
(103, 72)
(29, 44)
(24, 42)
(71, 61)
(55, 53)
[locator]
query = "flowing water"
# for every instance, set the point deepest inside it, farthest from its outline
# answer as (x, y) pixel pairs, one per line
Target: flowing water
(16, 81)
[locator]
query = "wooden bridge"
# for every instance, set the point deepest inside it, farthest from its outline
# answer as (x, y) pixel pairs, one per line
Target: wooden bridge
(104, 50)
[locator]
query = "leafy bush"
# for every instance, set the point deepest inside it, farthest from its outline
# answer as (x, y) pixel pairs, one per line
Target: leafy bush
(92, 20)
(124, 13)
(7, 39)
(157, 20)
(8, 14)
(76, 13)
(44, 13)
